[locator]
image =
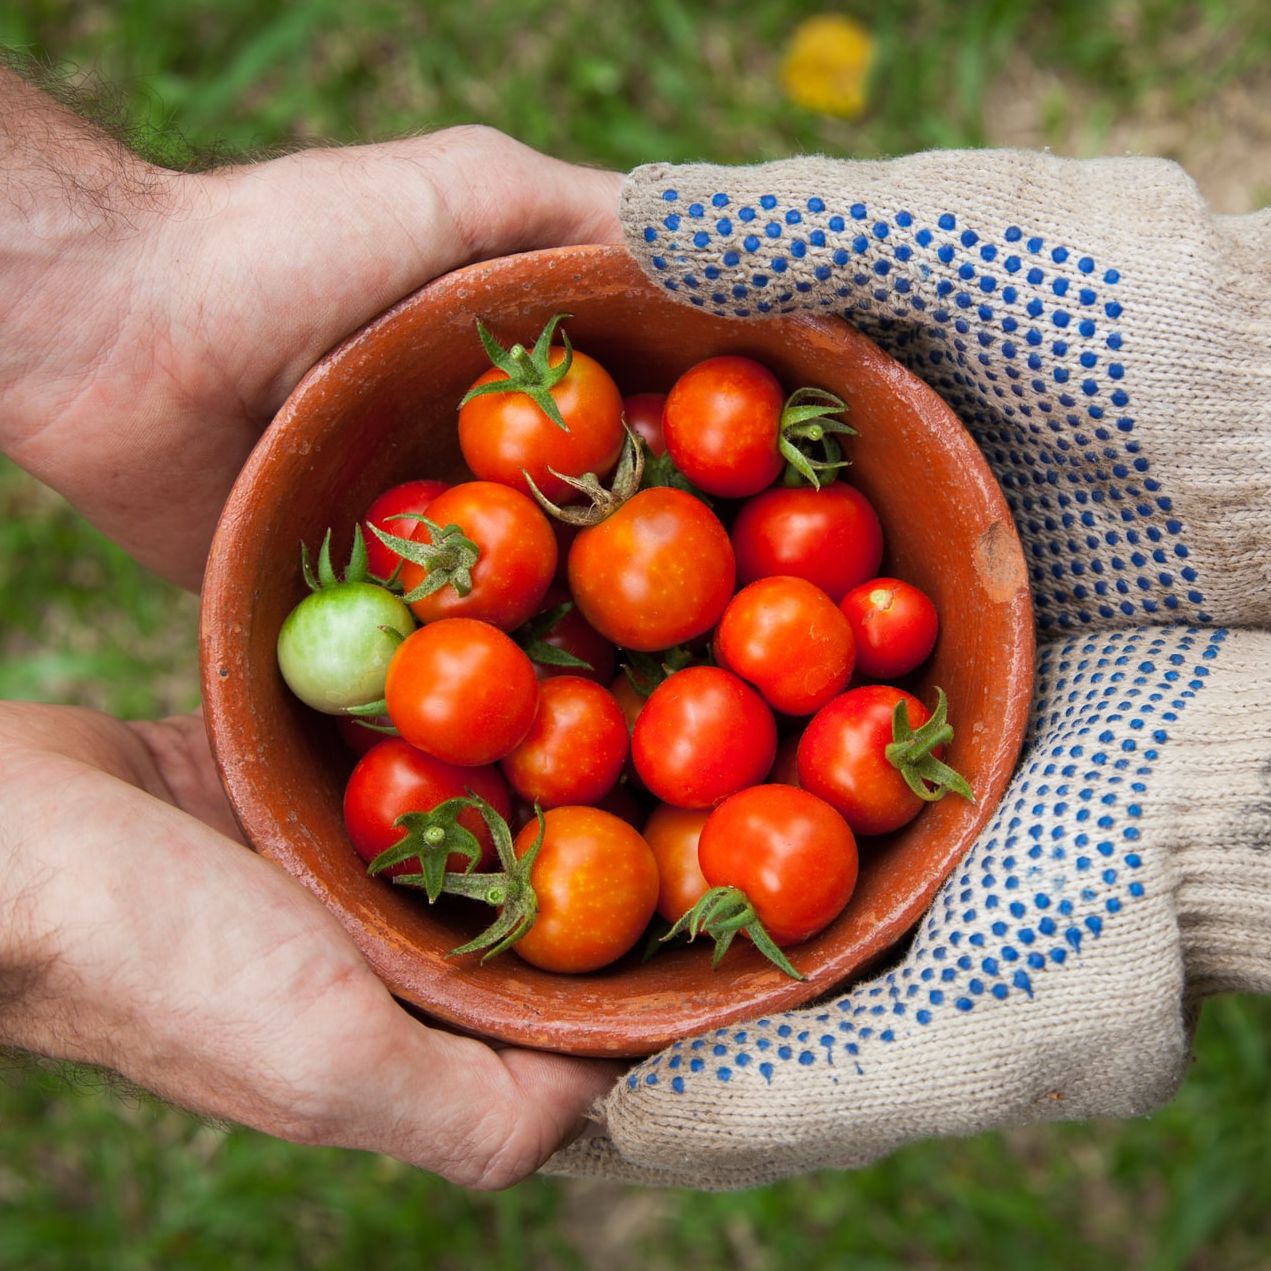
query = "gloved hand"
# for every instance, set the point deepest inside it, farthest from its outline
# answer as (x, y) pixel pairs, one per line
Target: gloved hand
(1108, 342)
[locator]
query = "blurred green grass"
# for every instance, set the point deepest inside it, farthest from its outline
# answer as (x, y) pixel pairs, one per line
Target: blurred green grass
(92, 1178)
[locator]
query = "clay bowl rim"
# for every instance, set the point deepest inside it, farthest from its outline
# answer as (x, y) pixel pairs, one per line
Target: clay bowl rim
(226, 609)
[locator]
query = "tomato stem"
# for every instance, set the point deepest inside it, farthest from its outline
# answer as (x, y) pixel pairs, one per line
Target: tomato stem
(910, 753)
(604, 502)
(356, 571)
(721, 913)
(448, 558)
(509, 890)
(431, 836)
(528, 371)
(807, 419)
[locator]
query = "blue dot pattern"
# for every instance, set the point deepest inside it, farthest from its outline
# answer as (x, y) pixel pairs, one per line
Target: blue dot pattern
(1057, 865)
(1020, 334)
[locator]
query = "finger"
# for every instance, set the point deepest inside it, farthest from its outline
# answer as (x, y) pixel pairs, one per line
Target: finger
(499, 196)
(323, 240)
(478, 1117)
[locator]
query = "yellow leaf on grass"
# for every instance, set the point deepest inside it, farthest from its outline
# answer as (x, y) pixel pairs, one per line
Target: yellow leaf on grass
(827, 64)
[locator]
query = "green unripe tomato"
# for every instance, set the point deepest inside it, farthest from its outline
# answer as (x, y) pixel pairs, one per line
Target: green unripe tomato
(332, 651)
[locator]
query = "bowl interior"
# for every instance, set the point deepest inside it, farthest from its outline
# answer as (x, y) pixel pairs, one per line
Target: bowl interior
(381, 409)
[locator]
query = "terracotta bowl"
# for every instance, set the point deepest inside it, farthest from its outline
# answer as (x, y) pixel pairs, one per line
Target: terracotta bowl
(381, 409)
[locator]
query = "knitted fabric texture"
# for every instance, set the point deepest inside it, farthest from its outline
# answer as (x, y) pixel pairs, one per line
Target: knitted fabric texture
(1107, 341)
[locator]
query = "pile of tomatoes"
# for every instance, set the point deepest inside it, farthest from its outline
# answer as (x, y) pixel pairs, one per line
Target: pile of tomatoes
(642, 663)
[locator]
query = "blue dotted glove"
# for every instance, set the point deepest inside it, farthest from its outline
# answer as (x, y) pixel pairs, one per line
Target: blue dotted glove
(1107, 341)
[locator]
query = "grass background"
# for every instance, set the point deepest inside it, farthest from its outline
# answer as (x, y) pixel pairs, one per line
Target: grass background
(92, 1178)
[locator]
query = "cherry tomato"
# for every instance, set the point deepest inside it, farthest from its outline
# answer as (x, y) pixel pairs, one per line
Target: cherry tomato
(789, 639)
(842, 758)
(672, 833)
(394, 777)
(502, 434)
(655, 573)
(894, 624)
(462, 691)
(386, 513)
(703, 734)
(643, 413)
(831, 537)
(575, 748)
(790, 852)
(597, 884)
(722, 426)
(336, 645)
(516, 561)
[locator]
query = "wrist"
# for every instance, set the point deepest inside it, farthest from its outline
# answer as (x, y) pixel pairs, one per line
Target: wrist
(79, 216)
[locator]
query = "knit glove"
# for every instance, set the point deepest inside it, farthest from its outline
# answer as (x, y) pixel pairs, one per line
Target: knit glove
(1107, 340)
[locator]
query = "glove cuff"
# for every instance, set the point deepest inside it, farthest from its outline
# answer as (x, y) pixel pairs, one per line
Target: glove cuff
(1224, 918)
(1217, 819)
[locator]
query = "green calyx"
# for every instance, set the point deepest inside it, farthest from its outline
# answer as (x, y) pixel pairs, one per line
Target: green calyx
(528, 371)
(808, 437)
(447, 560)
(660, 471)
(532, 637)
(603, 501)
(509, 889)
(721, 913)
(432, 837)
(356, 571)
(645, 671)
(910, 753)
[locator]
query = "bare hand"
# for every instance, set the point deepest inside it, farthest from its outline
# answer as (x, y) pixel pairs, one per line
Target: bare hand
(138, 935)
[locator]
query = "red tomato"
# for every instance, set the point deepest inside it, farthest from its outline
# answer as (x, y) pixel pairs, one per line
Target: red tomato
(722, 423)
(672, 834)
(655, 573)
(504, 435)
(894, 624)
(790, 852)
(703, 734)
(385, 512)
(516, 562)
(575, 748)
(597, 884)
(462, 691)
(831, 537)
(392, 778)
(842, 758)
(643, 413)
(789, 639)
